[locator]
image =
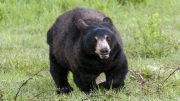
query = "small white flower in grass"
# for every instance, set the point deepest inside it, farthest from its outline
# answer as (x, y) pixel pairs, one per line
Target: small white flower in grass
(154, 68)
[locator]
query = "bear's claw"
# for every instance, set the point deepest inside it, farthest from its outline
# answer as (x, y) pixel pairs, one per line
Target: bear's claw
(64, 90)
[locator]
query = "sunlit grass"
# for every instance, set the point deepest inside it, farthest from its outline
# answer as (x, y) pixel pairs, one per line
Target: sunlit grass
(23, 49)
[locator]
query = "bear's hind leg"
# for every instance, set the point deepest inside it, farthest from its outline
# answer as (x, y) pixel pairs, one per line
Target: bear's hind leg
(59, 75)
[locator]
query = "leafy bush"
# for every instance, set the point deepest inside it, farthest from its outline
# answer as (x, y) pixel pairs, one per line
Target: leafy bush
(149, 41)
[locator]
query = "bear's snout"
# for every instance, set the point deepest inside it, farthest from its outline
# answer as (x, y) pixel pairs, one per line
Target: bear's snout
(102, 49)
(104, 53)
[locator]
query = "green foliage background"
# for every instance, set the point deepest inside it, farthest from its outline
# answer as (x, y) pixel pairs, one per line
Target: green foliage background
(150, 30)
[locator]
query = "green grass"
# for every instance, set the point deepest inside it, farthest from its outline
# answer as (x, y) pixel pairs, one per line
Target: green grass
(151, 35)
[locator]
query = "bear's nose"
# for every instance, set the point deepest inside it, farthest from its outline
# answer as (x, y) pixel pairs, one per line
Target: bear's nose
(104, 51)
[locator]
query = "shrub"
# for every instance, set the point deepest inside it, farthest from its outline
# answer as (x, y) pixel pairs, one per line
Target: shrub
(149, 41)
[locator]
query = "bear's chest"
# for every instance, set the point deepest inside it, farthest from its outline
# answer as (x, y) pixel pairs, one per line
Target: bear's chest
(94, 67)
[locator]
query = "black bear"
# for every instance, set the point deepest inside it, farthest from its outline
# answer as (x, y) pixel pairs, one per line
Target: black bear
(85, 42)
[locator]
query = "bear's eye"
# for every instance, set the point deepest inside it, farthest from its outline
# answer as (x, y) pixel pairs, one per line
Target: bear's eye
(107, 38)
(95, 38)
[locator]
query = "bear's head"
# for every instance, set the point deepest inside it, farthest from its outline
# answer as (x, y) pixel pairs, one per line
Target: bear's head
(97, 39)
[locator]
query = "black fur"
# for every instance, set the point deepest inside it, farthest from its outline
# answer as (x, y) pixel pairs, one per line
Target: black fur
(72, 45)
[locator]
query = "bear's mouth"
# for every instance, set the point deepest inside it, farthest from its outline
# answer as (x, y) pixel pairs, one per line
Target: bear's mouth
(104, 56)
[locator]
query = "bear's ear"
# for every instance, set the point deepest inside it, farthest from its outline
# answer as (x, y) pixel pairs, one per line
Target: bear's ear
(80, 23)
(107, 20)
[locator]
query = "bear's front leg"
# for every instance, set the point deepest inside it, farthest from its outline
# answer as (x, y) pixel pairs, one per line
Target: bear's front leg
(116, 77)
(85, 82)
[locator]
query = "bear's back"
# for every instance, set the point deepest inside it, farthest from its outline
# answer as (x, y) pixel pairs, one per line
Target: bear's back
(85, 14)
(65, 23)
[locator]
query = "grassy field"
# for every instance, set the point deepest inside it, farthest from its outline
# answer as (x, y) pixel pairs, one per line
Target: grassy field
(151, 35)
